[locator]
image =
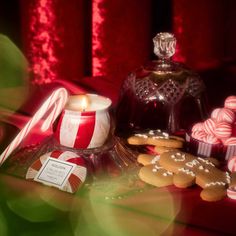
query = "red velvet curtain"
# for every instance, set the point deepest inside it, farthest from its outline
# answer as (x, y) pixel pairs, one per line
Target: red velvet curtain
(86, 38)
(205, 32)
(104, 40)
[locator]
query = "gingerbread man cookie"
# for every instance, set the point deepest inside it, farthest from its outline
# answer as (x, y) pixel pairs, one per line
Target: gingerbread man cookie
(156, 138)
(147, 159)
(189, 169)
(154, 174)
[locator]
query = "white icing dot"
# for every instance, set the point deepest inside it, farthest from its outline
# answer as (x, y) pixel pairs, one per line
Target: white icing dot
(228, 178)
(165, 134)
(155, 159)
(167, 173)
(207, 162)
(156, 168)
(192, 163)
(180, 158)
(141, 135)
(186, 171)
(219, 183)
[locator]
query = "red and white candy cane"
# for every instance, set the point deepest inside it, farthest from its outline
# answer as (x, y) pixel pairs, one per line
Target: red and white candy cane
(56, 101)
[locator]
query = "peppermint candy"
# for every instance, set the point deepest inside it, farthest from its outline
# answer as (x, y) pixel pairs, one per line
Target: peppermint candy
(225, 115)
(210, 138)
(231, 192)
(198, 127)
(199, 135)
(230, 102)
(232, 164)
(209, 126)
(223, 130)
(215, 113)
(230, 141)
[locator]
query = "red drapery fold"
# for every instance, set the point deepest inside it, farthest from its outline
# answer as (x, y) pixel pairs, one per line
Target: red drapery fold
(58, 37)
(204, 32)
(121, 37)
(95, 38)
(53, 38)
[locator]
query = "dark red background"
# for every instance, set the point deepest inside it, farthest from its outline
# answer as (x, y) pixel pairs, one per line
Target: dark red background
(204, 30)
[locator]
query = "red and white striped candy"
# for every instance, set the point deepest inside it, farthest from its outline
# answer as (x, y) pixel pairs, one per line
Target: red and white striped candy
(231, 192)
(209, 126)
(198, 127)
(232, 164)
(215, 113)
(211, 139)
(223, 130)
(230, 102)
(230, 141)
(55, 103)
(77, 176)
(225, 115)
(199, 135)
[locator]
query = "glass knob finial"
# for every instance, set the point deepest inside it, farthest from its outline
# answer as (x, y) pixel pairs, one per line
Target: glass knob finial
(164, 45)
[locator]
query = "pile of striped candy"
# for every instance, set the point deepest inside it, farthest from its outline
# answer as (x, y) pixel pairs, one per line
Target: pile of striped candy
(220, 127)
(216, 136)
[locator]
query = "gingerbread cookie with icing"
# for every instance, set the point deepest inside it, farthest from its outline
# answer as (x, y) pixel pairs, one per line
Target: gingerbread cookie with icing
(155, 174)
(147, 159)
(189, 169)
(156, 138)
(162, 149)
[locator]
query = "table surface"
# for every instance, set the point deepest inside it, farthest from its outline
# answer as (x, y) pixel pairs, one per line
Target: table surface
(119, 205)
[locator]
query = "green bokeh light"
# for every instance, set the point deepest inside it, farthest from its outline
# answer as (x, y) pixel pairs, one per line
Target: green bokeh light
(32, 209)
(13, 75)
(3, 224)
(118, 207)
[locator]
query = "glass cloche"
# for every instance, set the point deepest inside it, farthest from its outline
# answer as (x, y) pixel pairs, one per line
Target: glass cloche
(162, 95)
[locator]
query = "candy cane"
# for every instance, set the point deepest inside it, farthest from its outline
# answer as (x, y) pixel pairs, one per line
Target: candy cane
(56, 101)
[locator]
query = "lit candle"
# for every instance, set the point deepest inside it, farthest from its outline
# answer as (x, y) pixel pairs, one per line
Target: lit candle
(78, 103)
(85, 122)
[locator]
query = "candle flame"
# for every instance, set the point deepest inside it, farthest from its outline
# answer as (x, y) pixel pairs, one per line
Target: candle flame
(84, 103)
(79, 102)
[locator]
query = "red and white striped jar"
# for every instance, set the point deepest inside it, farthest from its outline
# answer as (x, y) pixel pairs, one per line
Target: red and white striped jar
(87, 127)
